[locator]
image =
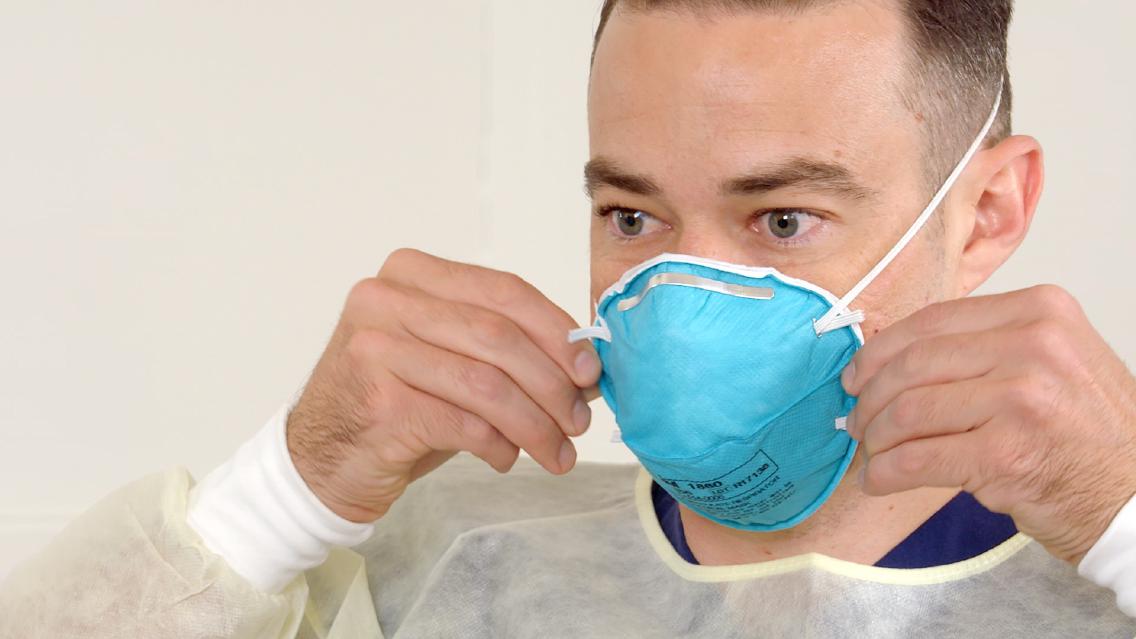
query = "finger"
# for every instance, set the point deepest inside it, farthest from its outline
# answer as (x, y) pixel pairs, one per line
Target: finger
(544, 322)
(490, 337)
(434, 459)
(947, 462)
(446, 429)
(932, 411)
(474, 386)
(968, 315)
(930, 361)
(997, 465)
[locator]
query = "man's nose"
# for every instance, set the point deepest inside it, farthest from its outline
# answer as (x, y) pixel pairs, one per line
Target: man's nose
(713, 243)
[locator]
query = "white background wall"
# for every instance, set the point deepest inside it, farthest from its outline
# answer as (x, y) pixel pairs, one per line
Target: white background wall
(188, 190)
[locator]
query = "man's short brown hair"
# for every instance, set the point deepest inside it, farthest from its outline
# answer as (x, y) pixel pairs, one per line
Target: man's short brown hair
(958, 57)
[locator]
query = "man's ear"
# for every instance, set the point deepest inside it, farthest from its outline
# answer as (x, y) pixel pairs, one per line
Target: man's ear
(1005, 184)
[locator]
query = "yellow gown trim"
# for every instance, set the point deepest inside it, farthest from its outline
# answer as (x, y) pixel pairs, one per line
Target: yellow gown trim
(898, 576)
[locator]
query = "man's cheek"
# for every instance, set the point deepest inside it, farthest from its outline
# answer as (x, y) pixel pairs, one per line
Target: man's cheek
(597, 290)
(605, 272)
(887, 307)
(901, 290)
(890, 306)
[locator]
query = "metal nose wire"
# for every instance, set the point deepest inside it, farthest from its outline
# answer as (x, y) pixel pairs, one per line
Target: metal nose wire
(695, 281)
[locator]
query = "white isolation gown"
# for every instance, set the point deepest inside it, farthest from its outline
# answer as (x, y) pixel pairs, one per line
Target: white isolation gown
(470, 553)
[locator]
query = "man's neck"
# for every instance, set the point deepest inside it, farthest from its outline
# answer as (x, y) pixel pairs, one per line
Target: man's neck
(851, 526)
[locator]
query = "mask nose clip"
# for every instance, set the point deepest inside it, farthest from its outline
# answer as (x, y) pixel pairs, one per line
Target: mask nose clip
(694, 281)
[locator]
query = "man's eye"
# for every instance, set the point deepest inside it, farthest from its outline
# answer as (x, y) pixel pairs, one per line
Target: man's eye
(628, 223)
(786, 224)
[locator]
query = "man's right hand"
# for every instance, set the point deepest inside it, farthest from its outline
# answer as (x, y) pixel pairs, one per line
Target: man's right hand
(432, 357)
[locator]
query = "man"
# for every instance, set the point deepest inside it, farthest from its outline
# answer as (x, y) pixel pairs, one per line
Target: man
(800, 136)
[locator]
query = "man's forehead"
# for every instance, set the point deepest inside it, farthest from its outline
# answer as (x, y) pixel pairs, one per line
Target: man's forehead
(753, 86)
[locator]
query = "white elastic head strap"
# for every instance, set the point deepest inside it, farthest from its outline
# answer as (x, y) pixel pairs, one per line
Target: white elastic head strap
(839, 315)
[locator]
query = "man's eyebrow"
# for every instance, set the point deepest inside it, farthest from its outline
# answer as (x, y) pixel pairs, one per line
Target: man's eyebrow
(802, 172)
(602, 171)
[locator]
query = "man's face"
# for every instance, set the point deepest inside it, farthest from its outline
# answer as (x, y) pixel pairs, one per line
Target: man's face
(767, 140)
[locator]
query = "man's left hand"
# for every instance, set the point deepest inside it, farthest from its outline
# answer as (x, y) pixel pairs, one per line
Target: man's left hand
(1016, 399)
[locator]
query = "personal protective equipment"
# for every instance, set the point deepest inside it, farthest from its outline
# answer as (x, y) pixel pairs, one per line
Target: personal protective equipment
(725, 379)
(470, 553)
(723, 389)
(131, 566)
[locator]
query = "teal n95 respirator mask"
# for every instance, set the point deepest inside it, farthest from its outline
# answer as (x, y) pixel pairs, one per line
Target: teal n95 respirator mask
(725, 379)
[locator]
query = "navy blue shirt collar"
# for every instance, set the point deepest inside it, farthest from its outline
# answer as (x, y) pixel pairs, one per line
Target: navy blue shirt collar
(961, 529)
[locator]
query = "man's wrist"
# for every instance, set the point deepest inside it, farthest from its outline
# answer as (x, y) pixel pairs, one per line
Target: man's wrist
(257, 513)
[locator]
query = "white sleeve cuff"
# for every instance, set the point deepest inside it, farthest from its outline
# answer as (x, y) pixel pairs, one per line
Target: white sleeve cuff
(257, 513)
(1111, 562)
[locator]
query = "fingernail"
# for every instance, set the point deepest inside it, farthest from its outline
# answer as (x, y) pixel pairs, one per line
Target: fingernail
(848, 375)
(581, 416)
(588, 366)
(567, 455)
(850, 424)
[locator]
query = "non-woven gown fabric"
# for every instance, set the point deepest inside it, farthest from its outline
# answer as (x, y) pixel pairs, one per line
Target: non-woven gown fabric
(132, 567)
(469, 553)
(730, 402)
